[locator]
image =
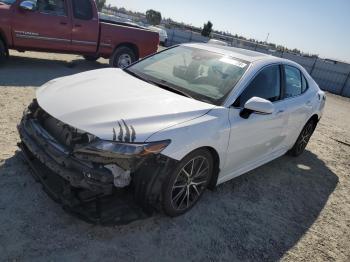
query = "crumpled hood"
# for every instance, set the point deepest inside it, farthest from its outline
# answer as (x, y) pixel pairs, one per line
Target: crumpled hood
(110, 103)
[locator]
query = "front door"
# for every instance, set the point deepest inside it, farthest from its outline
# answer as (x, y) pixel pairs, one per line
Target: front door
(47, 27)
(256, 138)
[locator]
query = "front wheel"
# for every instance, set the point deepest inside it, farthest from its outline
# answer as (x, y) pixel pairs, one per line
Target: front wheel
(303, 139)
(122, 57)
(3, 51)
(185, 186)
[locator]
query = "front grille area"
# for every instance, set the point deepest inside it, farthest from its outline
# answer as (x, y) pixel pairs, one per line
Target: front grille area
(65, 134)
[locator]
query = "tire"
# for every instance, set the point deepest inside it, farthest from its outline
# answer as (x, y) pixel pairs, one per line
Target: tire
(186, 185)
(3, 51)
(303, 139)
(122, 57)
(91, 58)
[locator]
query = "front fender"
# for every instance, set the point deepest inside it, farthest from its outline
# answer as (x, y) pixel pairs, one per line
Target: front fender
(210, 130)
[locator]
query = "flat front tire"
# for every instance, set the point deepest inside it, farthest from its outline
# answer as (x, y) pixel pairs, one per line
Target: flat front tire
(186, 185)
(122, 57)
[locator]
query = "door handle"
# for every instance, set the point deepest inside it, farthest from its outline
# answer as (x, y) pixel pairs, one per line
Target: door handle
(77, 25)
(308, 103)
(63, 23)
(280, 111)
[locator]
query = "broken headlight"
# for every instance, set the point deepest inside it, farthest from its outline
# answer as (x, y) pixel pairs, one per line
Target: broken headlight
(113, 149)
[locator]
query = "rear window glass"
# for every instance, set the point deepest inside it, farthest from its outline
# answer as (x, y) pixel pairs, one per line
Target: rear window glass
(82, 9)
(293, 81)
(54, 7)
(304, 84)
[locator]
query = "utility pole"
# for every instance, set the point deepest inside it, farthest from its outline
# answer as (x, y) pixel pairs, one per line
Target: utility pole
(267, 37)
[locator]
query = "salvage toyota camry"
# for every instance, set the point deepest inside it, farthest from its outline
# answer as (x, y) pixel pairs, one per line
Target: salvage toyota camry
(171, 125)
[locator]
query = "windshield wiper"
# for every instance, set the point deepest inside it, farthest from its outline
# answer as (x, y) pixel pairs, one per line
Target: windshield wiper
(135, 75)
(165, 85)
(162, 84)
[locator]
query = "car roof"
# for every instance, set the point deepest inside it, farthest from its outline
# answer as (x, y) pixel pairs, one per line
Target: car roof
(244, 54)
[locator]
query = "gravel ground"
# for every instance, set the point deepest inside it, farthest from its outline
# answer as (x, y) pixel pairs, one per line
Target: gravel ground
(294, 209)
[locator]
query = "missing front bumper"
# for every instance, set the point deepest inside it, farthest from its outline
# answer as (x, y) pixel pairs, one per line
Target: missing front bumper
(94, 200)
(118, 208)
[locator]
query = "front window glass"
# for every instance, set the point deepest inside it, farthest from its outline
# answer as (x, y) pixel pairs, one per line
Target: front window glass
(204, 75)
(8, 2)
(55, 7)
(267, 85)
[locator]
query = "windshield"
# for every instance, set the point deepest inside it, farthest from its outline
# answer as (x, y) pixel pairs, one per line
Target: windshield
(8, 2)
(201, 74)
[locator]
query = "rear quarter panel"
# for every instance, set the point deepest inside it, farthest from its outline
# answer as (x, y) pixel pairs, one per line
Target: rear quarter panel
(115, 35)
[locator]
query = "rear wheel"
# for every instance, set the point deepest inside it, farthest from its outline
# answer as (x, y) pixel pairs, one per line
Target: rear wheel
(91, 58)
(186, 184)
(122, 57)
(303, 139)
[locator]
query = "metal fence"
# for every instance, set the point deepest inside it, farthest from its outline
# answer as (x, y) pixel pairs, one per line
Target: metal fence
(332, 76)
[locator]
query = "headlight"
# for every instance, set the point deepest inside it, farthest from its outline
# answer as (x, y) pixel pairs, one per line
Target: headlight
(112, 149)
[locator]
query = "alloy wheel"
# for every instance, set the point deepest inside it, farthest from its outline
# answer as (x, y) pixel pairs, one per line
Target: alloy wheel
(305, 137)
(190, 183)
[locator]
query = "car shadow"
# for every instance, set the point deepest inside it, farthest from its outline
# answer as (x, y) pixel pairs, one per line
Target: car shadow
(30, 71)
(257, 216)
(268, 210)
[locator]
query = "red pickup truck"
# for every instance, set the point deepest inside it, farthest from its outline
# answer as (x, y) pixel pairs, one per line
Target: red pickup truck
(71, 26)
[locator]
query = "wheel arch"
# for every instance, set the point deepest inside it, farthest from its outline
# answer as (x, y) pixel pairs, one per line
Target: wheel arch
(132, 46)
(216, 167)
(314, 118)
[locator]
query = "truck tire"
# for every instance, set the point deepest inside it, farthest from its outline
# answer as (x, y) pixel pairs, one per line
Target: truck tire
(122, 57)
(3, 51)
(91, 58)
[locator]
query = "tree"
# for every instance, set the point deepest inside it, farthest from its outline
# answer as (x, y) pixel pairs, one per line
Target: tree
(207, 28)
(153, 17)
(100, 4)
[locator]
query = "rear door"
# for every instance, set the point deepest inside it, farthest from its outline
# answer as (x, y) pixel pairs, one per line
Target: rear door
(85, 29)
(297, 101)
(48, 27)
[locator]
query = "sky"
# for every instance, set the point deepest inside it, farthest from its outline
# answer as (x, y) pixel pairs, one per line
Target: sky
(314, 26)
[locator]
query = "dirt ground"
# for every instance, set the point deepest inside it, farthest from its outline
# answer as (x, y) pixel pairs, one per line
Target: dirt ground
(294, 209)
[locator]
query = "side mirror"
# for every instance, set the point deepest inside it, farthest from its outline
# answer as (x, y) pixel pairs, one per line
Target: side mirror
(257, 105)
(28, 5)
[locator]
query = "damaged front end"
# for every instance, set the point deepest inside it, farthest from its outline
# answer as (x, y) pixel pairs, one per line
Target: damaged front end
(107, 182)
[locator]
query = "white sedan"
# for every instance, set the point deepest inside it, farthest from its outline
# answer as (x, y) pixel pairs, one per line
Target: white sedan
(167, 127)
